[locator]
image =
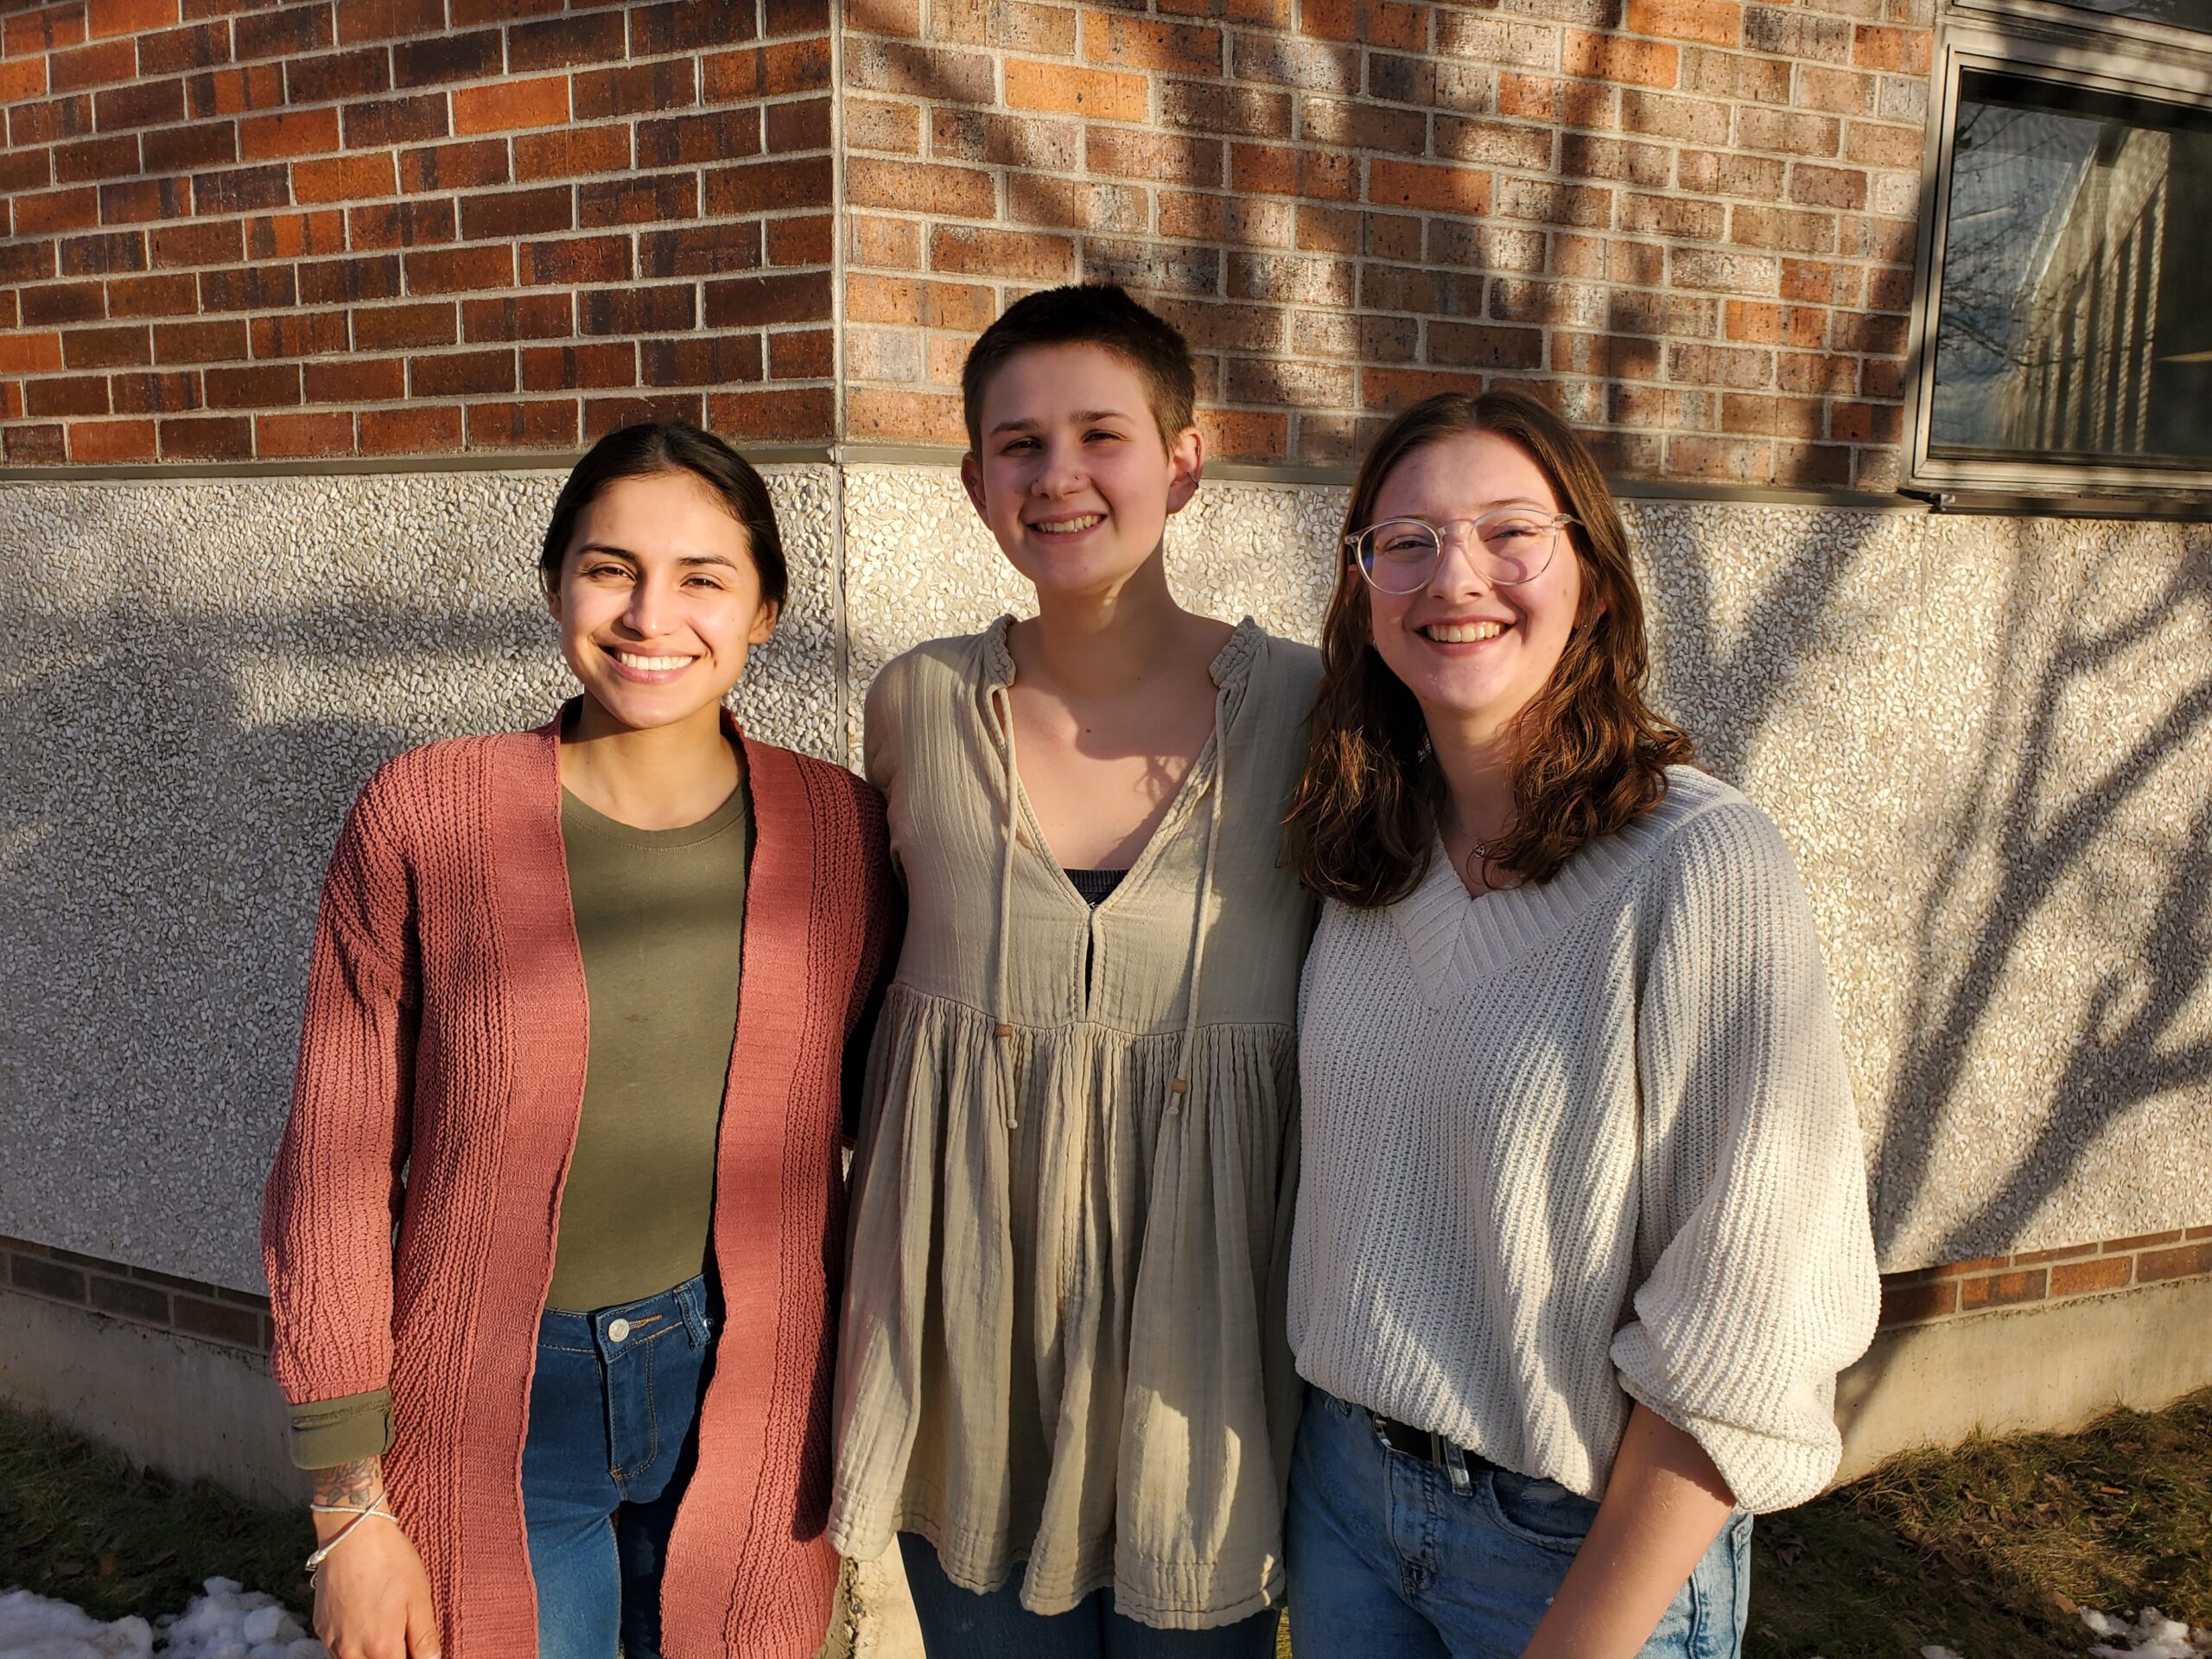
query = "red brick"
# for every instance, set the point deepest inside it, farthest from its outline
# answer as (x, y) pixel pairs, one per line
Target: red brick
(25, 446)
(802, 354)
(22, 80)
(199, 342)
(454, 270)
(356, 380)
(387, 328)
(57, 210)
(454, 167)
(112, 441)
(92, 66)
(402, 224)
(298, 334)
(38, 33)
(154, 394)
(702, 250)
(29, 353)
(336, 76)
(1007, 255)
(235, 91)
(577, 259)
(145, 201)
(141, 104)
(1899, 51)
(462, 374)
(634, 89)
(62, 301)
(638, 310)
(546, 425)
(1055, 88)
(769, 187)
(265, 386)
(294, 132)
(436, 59)
(566, 42)
(108, 348)
(1438, 189)
(683, 26)
(718, 136)
(2179, 1264)
(2102, 1273)
(383, 121)
(777, 69)
(96, 158)
(1905, 1303)
(344, 178)
(1739, 460)
(287, 32)
(417, 430)
(349, 281)
(605, 415)
(570, 151)
(2141, 1241)
(2002, 1289)
(213, 143)
(753, 301)
(511, 104)
(807, 240)
(228, 437)
(1386, 23)
(286, 436)
(796, 124)
(385, 20)
(1142, 43)
(1610, 58)
(653, 199)
(518, 213)
(255, 287)
(530, 316)
(717, 360)
(571, 368)
(103, 254)
(82, 394)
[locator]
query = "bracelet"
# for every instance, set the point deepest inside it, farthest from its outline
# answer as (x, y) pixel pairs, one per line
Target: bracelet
(316, 1561)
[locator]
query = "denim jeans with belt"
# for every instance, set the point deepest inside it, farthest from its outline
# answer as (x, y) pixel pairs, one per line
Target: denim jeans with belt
(614, 1414)
(1388, 1561)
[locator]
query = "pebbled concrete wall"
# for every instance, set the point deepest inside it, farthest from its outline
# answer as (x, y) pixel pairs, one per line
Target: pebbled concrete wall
(1989, 741)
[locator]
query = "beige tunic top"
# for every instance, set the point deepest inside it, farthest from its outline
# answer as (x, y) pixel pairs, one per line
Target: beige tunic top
(1063, 1338)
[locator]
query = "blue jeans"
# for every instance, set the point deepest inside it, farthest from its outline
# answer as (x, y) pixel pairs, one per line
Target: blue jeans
(958, 1623)
(613, 1411)
(1386, 1562)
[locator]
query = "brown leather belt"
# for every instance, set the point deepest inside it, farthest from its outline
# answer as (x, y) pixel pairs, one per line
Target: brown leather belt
(1430, 1447)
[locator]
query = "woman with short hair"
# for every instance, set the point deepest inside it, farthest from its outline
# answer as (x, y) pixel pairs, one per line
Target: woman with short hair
(1582, 1237)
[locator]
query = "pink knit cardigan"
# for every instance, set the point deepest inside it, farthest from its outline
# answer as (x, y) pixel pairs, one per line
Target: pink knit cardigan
(441, 1075)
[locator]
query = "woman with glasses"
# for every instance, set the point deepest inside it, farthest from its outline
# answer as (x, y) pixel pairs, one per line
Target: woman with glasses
(1581, 1238)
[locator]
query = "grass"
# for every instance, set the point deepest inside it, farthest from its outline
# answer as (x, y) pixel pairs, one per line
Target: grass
(1986, 1549)
(80, 1522)
(1989, 1549)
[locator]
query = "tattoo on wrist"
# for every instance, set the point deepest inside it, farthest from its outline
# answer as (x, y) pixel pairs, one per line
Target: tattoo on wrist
(357, 1484)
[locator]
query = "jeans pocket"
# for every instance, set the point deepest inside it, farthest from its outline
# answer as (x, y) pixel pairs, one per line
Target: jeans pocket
(1538, 1511)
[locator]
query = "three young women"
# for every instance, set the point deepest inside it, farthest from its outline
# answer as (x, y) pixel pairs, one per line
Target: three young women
(553, 1232)
(1582, 1236)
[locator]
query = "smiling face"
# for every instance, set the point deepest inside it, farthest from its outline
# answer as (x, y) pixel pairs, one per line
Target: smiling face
(1073, 477)
(658, 601)
(1472, 653)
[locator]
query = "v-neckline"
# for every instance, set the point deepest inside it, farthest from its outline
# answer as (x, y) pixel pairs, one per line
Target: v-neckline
(1224, 663)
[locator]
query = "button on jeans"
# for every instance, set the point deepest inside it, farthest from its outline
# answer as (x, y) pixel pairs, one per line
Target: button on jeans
(614, 1409)
(1386, 1562)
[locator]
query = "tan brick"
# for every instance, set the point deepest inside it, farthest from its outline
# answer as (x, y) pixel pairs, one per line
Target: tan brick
(896, 243)
(1900, 51)
(1880, 144)
(1716, 23)
(982, 137)
(1720, 459)
(1271, 169)
(918, 417)
(1443, 189)
(875, 124)
(1667, 115)
(1828, 187)
(1817, 283)
(1494, 39)
(1547, 201)
(1356, 125)
(914, 187)
(1057, 88)
(1059, 203)
(1610, 57)
(1139, 43)
(1208, 106)
(1783, 229)
(1121, 152)
(1726, 174)
(1785, 130)
(1017, 255)
(1738, 367)
(1676, 216)
(1836, 92)
(1713, 268)
(1518, 145)
(1585, 157)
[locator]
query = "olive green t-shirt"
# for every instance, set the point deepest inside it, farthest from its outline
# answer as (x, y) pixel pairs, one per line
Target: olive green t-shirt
(660, 914)
(660, 918)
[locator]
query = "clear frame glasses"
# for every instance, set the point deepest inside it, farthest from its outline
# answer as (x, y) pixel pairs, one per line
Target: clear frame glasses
(1507, 546)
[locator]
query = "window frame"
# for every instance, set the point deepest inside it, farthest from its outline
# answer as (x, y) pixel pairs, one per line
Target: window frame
(2036, 39)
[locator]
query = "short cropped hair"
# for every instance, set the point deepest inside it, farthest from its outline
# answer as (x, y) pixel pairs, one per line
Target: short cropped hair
(1086, 314)
(650, 449)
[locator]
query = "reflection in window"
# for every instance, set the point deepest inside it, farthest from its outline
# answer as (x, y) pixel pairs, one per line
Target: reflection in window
(2178, 14)
(2075, 322)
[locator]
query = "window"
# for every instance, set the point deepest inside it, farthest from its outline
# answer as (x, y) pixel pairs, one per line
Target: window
(2066, 338)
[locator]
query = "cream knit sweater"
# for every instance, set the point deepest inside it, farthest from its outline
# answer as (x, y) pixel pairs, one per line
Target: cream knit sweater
(1572, 1144)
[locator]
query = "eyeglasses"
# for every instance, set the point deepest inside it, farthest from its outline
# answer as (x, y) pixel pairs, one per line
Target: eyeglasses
(1508, 546)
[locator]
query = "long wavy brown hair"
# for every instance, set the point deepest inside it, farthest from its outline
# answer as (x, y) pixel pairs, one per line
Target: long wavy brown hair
(1590, 755)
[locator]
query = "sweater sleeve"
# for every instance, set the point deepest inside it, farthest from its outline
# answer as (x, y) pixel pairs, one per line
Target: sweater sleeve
(1754, 1249)
(333, 1196)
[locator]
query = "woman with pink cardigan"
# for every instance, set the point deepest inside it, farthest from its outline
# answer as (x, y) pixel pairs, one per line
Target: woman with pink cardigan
(553, 1235)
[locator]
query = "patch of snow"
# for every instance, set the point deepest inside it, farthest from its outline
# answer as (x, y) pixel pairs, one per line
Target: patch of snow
(2153, 1636)
(228, 1622)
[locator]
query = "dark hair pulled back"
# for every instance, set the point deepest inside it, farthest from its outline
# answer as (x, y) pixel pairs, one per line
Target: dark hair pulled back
(650, 450)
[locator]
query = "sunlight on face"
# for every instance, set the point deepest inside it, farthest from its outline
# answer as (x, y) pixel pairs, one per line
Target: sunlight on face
(658, 601)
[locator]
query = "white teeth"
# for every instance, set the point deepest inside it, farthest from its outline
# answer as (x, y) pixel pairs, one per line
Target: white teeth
(650, 664)
(1064, 526)
(1463, 634)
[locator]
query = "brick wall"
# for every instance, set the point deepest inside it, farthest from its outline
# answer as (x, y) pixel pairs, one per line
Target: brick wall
(230, 1318)
(239, 230)
(1995, 1281)
(1691, 221)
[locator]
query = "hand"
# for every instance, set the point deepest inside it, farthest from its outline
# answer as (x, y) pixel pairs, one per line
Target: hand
(371, 1596)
